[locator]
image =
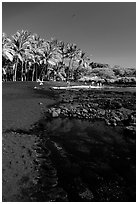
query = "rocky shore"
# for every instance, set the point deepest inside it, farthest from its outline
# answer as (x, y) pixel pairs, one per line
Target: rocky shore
(112, 107)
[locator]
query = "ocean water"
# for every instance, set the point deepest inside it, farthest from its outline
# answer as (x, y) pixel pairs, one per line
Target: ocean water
(94, 162)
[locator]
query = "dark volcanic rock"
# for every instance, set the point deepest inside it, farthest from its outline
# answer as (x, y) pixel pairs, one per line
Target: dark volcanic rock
(90, 165)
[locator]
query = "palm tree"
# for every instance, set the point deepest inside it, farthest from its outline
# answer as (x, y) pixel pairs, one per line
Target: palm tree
(37, 50)
(41, 58)
(71, 50)
(28, 62)
(64, 53)
(83, 63)
(84, 60)
(20, 43)
(7, 54)
(47, 53)
(7, 48)
(52, 56)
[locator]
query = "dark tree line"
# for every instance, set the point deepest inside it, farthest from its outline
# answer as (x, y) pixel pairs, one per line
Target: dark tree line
(27, 57)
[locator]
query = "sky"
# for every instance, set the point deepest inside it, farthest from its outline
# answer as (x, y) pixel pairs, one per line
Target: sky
(106, 31)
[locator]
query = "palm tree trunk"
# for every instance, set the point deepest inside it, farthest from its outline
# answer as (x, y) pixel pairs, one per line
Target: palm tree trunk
(33, 72)
(54, 75)
(36, 71)
(16, 67)
(41, 74)
(15, 71)
(25, 70)
(70, 67)
(46, 71)
(22, 72)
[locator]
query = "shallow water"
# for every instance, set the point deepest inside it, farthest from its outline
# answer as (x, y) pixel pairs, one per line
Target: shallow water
(94, 162)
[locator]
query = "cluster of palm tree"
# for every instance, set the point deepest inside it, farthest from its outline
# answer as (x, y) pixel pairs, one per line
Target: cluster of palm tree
(27, 57)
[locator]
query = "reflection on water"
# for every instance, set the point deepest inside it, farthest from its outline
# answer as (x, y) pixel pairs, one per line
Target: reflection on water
(94, 162)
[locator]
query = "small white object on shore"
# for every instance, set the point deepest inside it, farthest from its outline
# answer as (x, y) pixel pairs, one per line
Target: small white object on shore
(41, 82)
